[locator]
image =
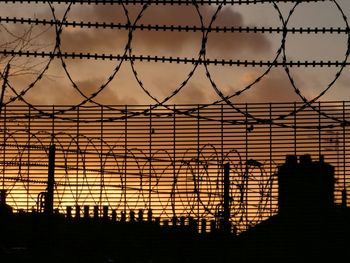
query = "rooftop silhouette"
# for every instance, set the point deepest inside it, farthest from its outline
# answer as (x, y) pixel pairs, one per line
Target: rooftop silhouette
(309, 226)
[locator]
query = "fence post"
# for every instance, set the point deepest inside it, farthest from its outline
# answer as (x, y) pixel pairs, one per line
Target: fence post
(227, 213)
(50, 181)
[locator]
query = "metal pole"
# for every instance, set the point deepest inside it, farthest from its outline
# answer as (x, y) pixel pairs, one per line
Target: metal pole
(151, 131)
(295, 128)
(4, 148)
(270, 157)
(101, 158)
(125, 156)
(227, 198)
(173, 200)
(246, 194)
(245, 186)
(222, 142)
(28, 157)
(198, 157)
(50, 181)
(319, 132)
(77, 158)
(344, 193)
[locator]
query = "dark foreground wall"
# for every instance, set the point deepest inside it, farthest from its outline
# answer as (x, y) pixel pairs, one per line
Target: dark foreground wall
(36, 238)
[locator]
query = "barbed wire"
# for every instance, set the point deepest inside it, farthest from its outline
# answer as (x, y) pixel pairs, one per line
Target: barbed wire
(177, 60)
(307, 103)
(92, 163)
(187, 172)
(179, 28)
(187, 185)
(280, 60)
(165, 2)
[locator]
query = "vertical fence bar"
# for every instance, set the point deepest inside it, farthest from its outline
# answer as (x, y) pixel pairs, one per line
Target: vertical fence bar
(344, 156)
(28, 156)
(50, 181)
(150, 159)
(53, 125)
(198, 160)
(77, 157)
(173, 198)
(51, 172)
(5, 79)
(125, 156)
(222, 147)
(246, 168)
(51, 169)
(101, 158)
(4, 147)
(319, 131)
(270, 156)
(295, 128)
(227, 213)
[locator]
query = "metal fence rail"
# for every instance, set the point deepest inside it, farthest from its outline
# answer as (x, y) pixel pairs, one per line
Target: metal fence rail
(170, 158)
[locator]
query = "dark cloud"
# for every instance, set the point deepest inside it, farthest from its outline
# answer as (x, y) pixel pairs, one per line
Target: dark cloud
(107, 96)
(93, 41)
(222, 43)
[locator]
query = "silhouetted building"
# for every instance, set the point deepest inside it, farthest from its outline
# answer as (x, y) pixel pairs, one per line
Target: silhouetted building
(305, 186)
(309, 226)
(5, 209)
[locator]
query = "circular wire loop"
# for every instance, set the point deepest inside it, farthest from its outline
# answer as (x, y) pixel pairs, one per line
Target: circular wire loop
(200, 61)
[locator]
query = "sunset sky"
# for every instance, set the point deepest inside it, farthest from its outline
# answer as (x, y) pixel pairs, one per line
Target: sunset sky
(69, 81)
(161, 79)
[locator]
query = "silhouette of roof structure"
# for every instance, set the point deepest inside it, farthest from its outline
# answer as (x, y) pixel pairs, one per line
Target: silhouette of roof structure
(309, 226)
(302, 231)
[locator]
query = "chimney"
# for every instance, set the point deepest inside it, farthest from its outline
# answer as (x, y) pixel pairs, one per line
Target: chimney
(305, 187)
